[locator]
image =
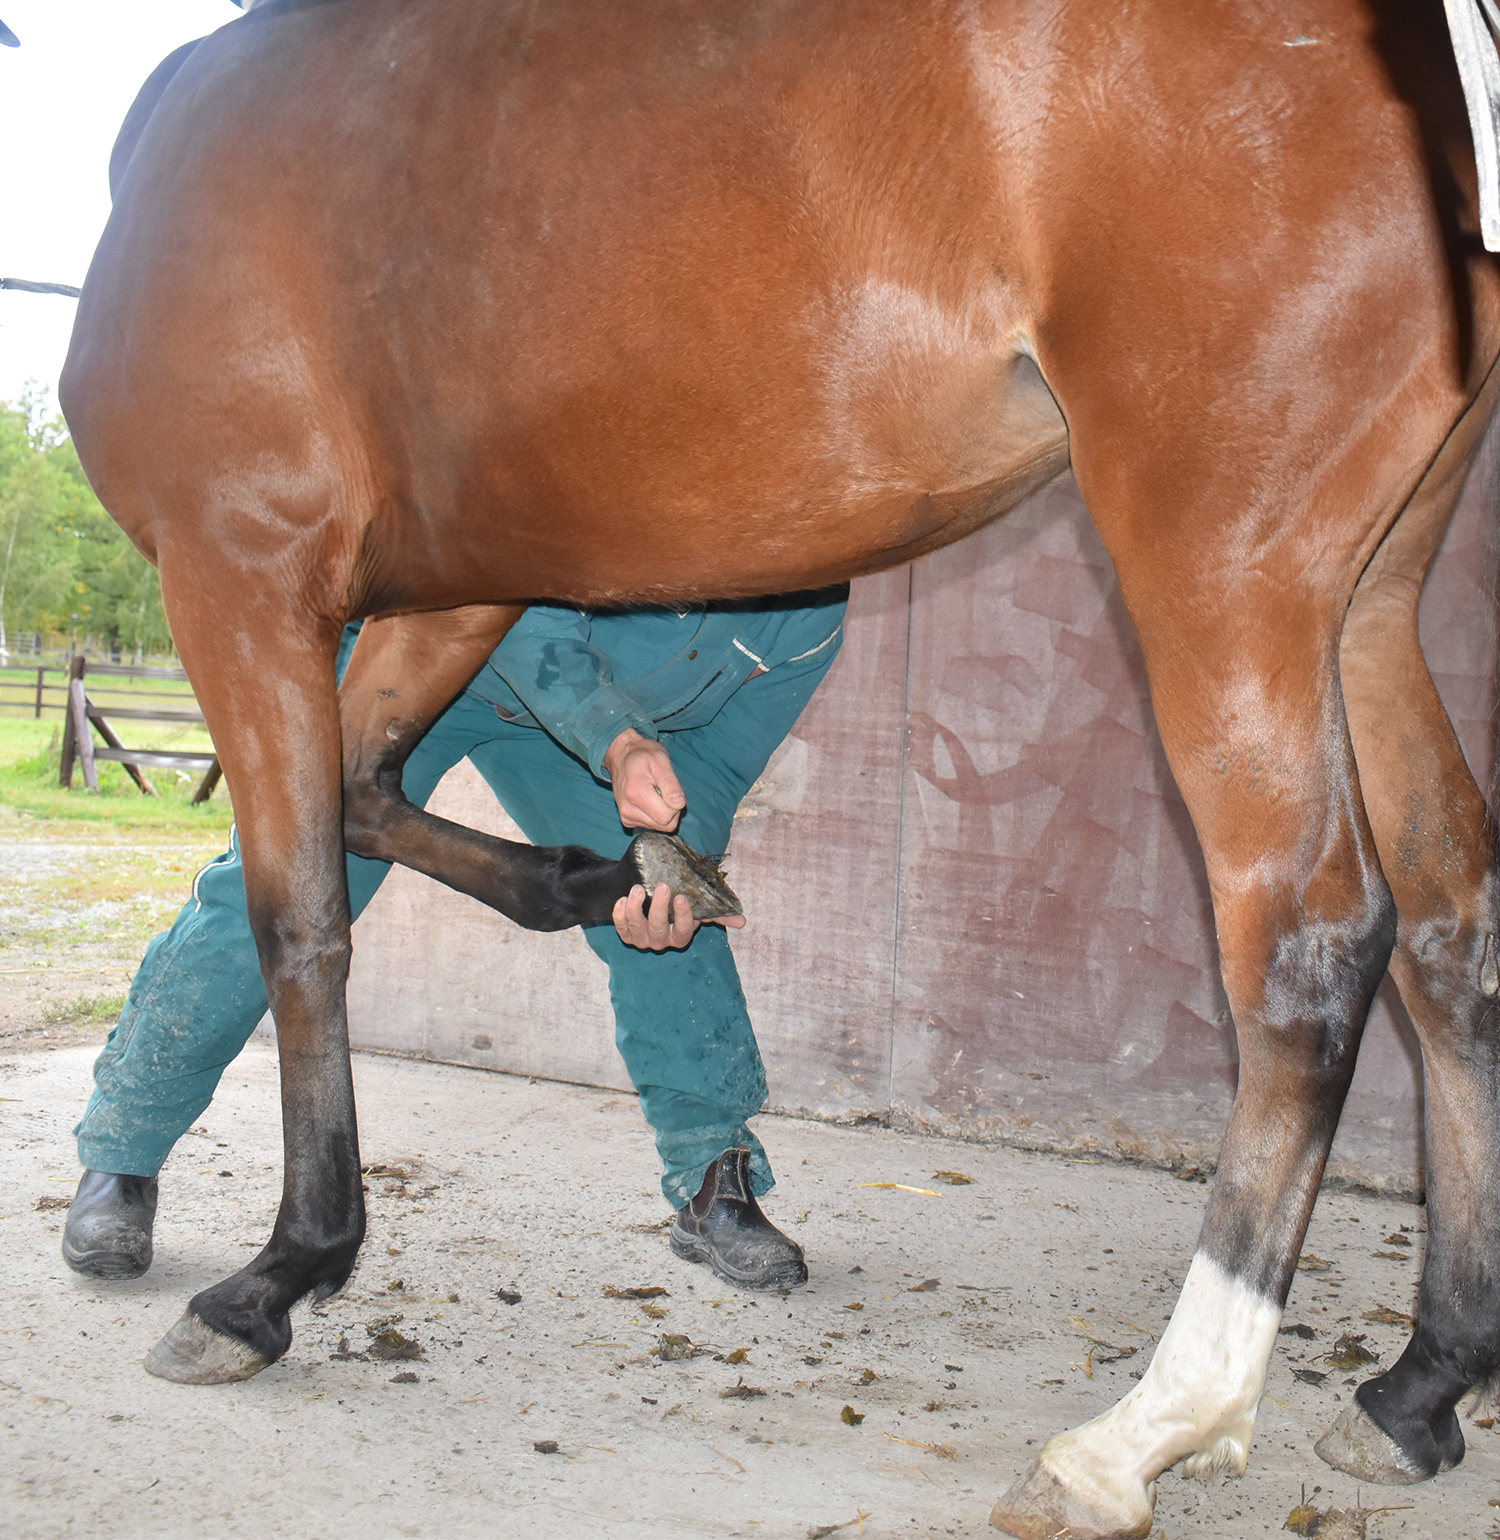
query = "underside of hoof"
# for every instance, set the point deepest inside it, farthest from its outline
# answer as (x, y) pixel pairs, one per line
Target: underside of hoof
(664, 858)
(195, 1354)
(1040, 1507)
(1358, 1447)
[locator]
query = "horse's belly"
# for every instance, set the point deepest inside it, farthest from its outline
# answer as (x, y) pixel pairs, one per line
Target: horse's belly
(859, 469)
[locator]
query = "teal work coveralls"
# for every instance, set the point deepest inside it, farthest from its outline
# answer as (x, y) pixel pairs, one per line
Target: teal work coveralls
(719, 687)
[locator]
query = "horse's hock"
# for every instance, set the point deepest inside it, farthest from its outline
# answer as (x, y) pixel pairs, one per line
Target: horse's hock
(976, 900)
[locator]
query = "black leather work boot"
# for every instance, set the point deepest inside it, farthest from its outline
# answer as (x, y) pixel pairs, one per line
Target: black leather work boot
(108, 1233)
(724, 1227)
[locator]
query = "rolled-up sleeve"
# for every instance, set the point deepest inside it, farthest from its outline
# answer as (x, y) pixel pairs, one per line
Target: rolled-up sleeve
(568, 685)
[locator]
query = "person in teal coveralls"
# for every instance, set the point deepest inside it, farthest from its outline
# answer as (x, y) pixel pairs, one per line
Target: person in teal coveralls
(586, 726)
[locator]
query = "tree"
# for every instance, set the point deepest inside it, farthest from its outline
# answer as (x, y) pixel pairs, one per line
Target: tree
(60, 552)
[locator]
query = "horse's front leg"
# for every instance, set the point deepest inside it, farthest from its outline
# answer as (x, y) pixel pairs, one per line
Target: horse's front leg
(267, 693)
(404, 670)
(1249, 708)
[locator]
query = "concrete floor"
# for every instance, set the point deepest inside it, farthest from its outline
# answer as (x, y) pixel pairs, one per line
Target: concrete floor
(549, 1191)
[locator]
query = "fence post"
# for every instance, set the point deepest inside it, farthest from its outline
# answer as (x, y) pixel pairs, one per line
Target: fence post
(41, 674)
(209, 782)
(70, 737)
(81, 734)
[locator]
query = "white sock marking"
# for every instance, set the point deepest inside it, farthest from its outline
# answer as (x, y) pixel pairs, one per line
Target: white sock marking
(1196, 1402)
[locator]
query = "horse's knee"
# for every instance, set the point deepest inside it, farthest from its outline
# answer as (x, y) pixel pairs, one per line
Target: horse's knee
(373, 800)
(311, 948)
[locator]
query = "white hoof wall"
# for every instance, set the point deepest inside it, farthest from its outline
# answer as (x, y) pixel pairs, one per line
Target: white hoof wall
(1356, 1446)
(1040, 1507)
(195, 1354)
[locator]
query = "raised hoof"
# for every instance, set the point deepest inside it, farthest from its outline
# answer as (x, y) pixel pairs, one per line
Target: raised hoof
(664, 858)
(195, 1354)
(1358, 1447)
(1040, 1507)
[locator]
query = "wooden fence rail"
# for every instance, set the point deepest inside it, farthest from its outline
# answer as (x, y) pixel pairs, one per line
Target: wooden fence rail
(82, 717)
(37, 694)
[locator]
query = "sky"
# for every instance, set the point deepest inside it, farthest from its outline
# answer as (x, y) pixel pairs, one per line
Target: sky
(63, 95)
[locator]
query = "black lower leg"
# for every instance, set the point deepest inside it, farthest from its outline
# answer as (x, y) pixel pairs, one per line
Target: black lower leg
(542, 887)
(539, 887)
(320, 1222)
(1414, 1403)
(1450, 989)
(319, 1226)
(254, 1305)
(1456, 1343)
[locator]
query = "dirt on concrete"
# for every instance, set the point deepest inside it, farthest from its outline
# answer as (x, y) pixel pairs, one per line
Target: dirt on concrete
(501, 1364)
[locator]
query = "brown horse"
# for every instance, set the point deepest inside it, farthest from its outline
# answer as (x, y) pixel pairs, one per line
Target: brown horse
(419, 309)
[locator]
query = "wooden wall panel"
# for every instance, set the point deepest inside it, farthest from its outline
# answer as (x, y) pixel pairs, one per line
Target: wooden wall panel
(1055, 962)
(813, 858)
(816, 866)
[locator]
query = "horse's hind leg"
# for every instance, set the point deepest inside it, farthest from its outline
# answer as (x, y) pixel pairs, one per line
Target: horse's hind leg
(1243, 666)
(1437, 849)
(403, 672)
(264, 674)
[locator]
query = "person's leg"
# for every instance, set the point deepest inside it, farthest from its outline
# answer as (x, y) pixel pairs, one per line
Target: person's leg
(193, 1002)
(681, 1027)
(685, 1036)
(680, 1018)
(717, 764)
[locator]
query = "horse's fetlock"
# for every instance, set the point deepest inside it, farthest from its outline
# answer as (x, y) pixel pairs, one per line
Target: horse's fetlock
(318, 1247)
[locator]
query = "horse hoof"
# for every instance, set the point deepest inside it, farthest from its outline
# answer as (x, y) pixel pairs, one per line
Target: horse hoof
(1040, 1507)
(195, 1354)
(1356, 1445)
(664, 858)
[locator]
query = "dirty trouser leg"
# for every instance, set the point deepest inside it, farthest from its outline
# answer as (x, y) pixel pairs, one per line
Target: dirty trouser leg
(685, 1036)
(680, 1019)
(198, 993)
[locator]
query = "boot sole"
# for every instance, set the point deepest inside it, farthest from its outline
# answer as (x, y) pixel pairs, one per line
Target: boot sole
(781, 1275)
(105, 1264)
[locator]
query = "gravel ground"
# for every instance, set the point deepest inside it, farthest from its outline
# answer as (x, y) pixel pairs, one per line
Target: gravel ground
(81, 902)
(960, 1324)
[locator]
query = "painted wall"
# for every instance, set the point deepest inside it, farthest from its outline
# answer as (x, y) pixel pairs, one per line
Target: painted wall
(975, 895)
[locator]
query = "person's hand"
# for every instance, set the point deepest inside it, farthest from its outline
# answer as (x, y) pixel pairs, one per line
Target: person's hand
(647, 791)
(667, 926)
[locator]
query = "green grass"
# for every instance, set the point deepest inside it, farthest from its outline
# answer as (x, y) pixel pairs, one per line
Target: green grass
(30, 754)
(121, 863)
(85, 1010)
